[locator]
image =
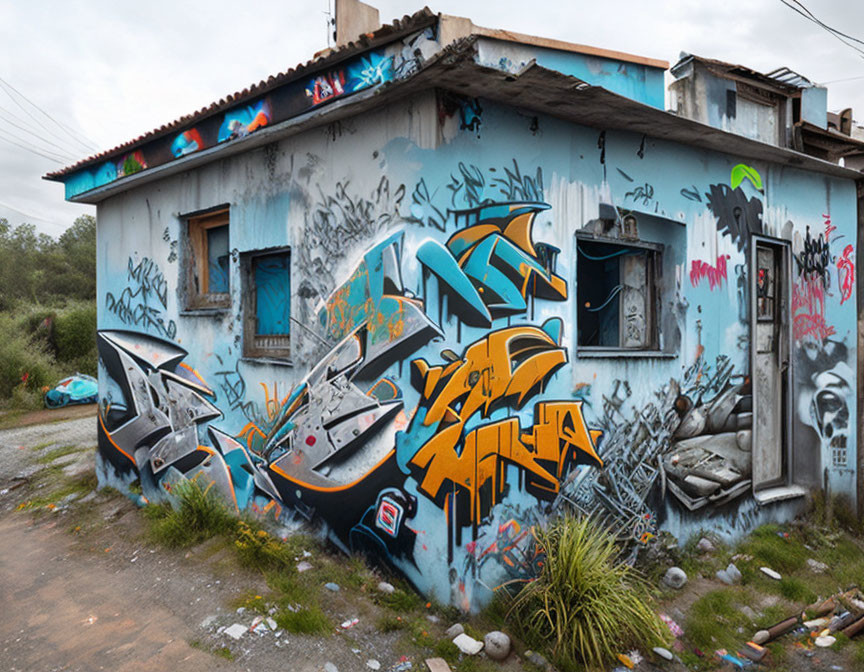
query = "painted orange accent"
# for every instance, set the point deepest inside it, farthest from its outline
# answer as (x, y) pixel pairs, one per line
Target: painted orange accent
(519, 232)
(114, 443)
(339, 488)
(386, 381)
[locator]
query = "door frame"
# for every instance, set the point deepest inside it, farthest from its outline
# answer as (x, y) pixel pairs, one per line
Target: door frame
(785, 333)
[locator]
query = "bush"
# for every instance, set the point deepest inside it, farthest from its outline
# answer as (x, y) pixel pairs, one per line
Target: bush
(586, 605)
(75, 333)
(200, 514)
(26, 364)
(257, 549)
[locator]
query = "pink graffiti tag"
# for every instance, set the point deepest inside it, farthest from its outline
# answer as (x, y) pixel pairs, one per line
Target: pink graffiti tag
(829, 227)
(808, 311)
(846, 273)
(701, 270)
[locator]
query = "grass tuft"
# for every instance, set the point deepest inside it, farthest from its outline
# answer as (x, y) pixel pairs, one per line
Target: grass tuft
(200, 515)
(586, 605)
(309, 620)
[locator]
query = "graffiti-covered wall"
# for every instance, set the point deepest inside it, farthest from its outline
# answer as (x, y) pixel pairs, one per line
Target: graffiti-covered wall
(493, 317)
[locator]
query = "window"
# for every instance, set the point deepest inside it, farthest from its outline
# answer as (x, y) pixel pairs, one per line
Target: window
(208, 271)
(267, 304)
(616, 288)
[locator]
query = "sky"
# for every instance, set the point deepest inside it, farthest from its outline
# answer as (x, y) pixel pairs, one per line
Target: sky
(111, 71)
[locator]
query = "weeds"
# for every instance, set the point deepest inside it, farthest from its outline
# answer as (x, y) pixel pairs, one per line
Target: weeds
(199, 515)
(586, 604)
(714, 619)
(57, 453)
(310, 620)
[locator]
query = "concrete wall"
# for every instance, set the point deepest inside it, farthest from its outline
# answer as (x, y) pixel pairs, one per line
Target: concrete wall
(446, 405)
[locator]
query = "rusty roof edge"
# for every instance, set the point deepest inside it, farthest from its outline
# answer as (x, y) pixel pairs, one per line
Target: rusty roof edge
(387, 33)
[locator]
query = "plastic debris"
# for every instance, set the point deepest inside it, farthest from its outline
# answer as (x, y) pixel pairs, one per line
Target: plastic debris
(727, 657)
(330, 667)
(235, 631)
(674, 628)
(626, 661)
(666, 654)
(332, 586)
(303, 566)
(373, 664)
(753, 651)
(824, 641)
(437, 665)
(386, 588)
(767, 571)
(468, 645)
(350, 623)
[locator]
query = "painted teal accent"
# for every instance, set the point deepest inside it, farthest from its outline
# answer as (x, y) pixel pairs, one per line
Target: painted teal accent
(272, 276)
(244, 483)
(217, 259)
(554, 326)
(437, 258)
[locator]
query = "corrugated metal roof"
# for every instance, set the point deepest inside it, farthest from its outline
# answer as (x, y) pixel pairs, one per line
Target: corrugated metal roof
(386, 33)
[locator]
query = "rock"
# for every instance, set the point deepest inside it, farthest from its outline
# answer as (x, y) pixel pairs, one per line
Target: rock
(386, 588)
(332, 586)
(330, 667)
(536, 659)
(468, 645)
(666, 654)
(705, 545)
(454, 631)
(825, 641)
(816, 566)
(761, 637)
(303, 566)
(432, 618)
(767, 571)
(235, 631)
(497, 645)
(207, 622)
(437, 665)
(675, 577)
(373, 664)
(748, 612)
(730, 576)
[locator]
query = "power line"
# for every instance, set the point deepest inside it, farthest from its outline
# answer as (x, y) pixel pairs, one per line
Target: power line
(830, 30)
(29, 129)
(847, 79)
(33, 151)
(833, 30)
(65, 150)
(90, 145)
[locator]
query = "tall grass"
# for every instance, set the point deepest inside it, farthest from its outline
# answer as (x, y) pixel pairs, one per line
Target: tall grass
(586, 605)
(199, 515)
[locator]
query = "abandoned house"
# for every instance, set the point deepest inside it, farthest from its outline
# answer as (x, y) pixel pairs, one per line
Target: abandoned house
(444, 281)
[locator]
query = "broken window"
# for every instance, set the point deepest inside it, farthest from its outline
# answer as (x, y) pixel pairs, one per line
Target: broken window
(267, 304)
(208, 268)
(616, 289)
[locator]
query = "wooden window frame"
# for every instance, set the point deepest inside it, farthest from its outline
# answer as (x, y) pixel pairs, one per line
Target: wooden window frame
(198, 294)
(255, 345)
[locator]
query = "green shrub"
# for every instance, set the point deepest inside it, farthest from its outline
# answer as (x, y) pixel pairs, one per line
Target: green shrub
(257, 549)
(586, 605)
(305, 620)
(75, 334)
(199, 515)
(25, 363)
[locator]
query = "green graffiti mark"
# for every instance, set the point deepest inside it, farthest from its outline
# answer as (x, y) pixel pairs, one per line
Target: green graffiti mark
(742, 172)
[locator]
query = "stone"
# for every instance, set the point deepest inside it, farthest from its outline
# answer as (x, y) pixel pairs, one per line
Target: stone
(332, 586)
(761, 637)
(235, 631)
(730, 576)
(767, 571)
(303, 566)
(468, 645)
(705, 545)
(454, 631)
(330, 667)
(497, 645)
(748, 612)
(666, 654)
(734, 572)
(437, 665)
(825, 641)
(675, 577)
(207, 622)
(536, 659)
(386, 588)
(373, 664)
(816, 566)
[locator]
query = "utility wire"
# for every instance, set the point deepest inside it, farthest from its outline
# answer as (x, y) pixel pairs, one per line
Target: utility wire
(15, 120)
(847, 79)
(90, 145)
(65, 150)
(830, 30)
(32, 150)
(833, 30)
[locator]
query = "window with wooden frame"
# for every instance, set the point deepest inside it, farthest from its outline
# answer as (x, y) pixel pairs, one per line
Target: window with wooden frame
(267, 303)
(616, 287)
(208, 265)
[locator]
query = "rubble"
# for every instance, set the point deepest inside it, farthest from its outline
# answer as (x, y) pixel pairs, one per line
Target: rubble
(437, 665)
(454, 631)
(468, 645)
(497, 645)
(675, 577)
(386, 588)
(235, 631)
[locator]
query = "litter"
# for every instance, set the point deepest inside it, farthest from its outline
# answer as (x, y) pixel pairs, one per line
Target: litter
(350, 623)
(235, 631)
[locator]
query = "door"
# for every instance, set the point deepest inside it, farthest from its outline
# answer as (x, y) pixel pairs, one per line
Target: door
(770, 361)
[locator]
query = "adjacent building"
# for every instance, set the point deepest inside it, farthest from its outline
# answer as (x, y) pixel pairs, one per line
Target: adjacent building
(442, 282)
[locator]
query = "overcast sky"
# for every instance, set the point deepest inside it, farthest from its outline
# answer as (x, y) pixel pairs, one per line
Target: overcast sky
(114, 70)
